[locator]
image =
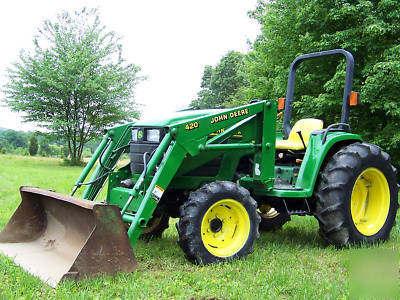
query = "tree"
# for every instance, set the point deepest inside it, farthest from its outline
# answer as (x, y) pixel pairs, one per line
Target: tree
(33, 146)
(76, 83)
(15, 138)
(220, 85)
(368, 29)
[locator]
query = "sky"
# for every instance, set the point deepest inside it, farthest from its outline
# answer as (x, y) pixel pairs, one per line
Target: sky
(171, 41)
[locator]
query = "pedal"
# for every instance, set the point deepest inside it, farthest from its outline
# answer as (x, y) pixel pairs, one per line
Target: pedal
(298, 212)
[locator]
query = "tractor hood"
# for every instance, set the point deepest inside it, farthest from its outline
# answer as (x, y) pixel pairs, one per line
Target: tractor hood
(176, 117)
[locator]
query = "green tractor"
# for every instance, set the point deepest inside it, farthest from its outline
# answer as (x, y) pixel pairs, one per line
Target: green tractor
(225, 173)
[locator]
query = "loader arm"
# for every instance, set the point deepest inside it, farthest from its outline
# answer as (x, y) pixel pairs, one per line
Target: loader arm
(263, 114)
(114, 144)
(190, 138)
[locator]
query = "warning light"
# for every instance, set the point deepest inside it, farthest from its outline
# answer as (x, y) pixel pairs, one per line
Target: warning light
(281, 103)
(354, 98)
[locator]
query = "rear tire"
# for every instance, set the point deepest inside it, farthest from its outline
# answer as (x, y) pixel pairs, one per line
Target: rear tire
(219, 222)
(156, 225)
(356, 199)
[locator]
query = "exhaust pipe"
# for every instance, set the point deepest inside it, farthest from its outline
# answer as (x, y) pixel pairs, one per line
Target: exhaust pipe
(56, 237)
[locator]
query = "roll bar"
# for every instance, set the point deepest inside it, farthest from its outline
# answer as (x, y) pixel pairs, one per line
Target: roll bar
(292, 79)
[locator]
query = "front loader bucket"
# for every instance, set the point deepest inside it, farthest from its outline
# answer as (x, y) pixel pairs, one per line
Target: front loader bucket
(54, 236)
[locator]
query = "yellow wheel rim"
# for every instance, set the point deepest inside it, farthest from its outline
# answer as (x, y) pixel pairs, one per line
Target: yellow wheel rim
(370, 201)
(267, 212)
(225, 228)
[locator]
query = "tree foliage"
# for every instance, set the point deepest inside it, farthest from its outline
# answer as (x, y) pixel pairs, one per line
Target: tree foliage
(11, 139)
(220, 85)
(76, 82)
(23, 143)
(289, 28)
(368, 29)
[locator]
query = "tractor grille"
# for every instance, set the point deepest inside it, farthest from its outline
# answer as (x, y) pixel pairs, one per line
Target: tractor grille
(137, 150)
(141, 144)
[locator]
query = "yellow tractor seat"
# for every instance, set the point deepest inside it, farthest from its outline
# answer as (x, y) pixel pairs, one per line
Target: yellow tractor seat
(305, 126)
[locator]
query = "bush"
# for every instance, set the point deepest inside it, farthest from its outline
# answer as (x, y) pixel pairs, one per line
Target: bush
(86, 153)
(54, 150)
(21, 151)
(63, 152)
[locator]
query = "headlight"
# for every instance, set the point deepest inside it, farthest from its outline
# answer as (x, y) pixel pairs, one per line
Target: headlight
(134, 135)
(153, 135)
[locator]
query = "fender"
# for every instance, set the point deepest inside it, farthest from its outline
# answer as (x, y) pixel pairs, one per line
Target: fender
(314, 158)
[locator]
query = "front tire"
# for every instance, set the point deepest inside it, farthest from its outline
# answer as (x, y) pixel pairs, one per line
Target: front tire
(219, 222)
(357, 196)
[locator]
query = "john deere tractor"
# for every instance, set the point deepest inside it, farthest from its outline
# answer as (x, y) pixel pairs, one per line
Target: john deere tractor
(225, 173)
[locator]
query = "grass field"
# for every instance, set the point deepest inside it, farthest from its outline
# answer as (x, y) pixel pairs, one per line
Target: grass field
(292, 263)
